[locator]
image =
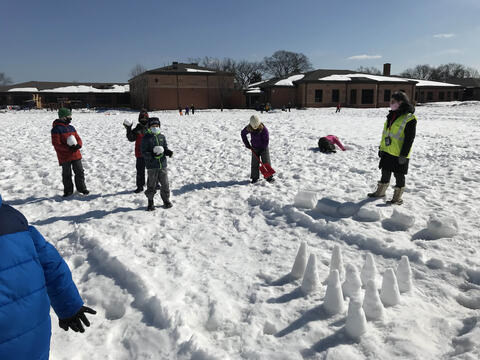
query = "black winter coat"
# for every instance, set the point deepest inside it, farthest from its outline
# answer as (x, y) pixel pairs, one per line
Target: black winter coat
(152, 161)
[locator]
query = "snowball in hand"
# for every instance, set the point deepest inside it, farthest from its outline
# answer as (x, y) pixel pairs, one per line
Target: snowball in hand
(127, 122)
(158, 150)
(71, 141)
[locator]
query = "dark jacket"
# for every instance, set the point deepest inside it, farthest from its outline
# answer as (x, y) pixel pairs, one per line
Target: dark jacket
(390, 162)
(33, 276)
(149, 141)
(258, 137)
(61, 130)
(136, 135)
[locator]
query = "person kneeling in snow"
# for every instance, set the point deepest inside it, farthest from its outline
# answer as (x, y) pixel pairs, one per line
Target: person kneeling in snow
(33, 276)
(67, 145)
(154, 150)
(259, 138)
(327, 144)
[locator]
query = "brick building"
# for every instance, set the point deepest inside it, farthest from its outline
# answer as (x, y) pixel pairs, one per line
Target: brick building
(436, 91)
(178, 85)
(471, 88)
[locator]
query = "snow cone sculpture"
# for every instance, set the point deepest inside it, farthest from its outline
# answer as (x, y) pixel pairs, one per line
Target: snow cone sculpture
(300, 263)
(336, 262)
(404, 275)
(372, 306)
(390, 294)
(71, 140)
(333, 303)
(369, 270)
(356, 324)
(310, 278)
(352, 284)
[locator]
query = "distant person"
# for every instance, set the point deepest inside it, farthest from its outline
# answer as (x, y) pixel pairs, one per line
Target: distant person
(396, 145)
(192, 108)
(259, 141)
(67, 145)
(33, 277)
(338, 108)
(180, 111)
(155, 150)
(137, 135)
(289, 106)
(187, 109)
(327, 144)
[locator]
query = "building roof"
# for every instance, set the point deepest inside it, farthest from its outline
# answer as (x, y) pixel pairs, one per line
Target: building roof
(185, 68)
(66, 87)
(466, 82)
(429, 83)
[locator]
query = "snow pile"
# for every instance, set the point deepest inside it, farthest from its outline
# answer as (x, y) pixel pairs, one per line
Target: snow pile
(389, 294)
(333, 303)
(399, 221)
(372, 305)
(310, 281)
(353, 284)
(300, 263)
(438, 227)
(369, 270)
(347, 209)
(404, 275)
(356, 324)
(367, 215)
(71, 140)
(305, 199)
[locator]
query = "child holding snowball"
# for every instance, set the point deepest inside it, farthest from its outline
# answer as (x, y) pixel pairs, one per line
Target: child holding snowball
(67, 145)
(154, 151)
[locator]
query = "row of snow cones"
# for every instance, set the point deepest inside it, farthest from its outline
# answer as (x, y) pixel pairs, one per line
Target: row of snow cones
(372, 306)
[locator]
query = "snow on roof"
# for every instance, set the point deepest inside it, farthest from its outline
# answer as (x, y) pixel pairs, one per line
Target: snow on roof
(289, 81)
(198, 70)
(348, 77)
(25, 89)
(428, 83)
(254, 91)
(88, 89)
(257, 83)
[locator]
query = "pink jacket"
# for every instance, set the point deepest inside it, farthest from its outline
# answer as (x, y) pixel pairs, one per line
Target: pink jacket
(334, 140)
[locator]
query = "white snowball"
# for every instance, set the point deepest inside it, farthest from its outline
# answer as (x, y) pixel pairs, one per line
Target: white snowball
(158, 150)
(71, 141)
(127, 122)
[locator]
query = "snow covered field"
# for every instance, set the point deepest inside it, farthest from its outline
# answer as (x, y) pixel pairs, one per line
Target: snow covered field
(207, 279)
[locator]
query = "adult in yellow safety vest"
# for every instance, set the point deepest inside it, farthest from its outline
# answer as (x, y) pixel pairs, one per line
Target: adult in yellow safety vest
(396, 145)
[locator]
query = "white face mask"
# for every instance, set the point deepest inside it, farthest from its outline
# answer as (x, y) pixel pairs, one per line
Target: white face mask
(155, 130)
(394, 106)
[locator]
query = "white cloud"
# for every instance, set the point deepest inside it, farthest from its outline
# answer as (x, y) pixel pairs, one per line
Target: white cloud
(449, 52)
(443, 36)
(364, 57)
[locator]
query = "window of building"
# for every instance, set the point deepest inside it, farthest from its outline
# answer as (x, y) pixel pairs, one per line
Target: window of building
(429, 96)
(318, 95)
(455, 95)
(386, 95)
(422, 96)
(367, 96)
(441, 96)
(353, 96)
(335, 95)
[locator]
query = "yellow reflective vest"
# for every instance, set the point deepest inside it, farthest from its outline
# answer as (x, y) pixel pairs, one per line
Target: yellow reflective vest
(396, 133)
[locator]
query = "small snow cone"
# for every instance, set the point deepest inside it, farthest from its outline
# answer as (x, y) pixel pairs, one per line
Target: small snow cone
(310, 279)
(336, 262)
(352, 285)
(300, 263)
(356, 324)
(333, 303)
(390, 294)
(404, 275)
(369, 270)
(372, 306)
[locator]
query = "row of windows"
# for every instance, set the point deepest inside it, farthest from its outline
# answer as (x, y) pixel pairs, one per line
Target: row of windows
(441, 95)
(367, 96)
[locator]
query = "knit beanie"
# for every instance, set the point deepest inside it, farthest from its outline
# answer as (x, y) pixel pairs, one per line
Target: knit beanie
(153, 121)
(64, 112)
(254, 122)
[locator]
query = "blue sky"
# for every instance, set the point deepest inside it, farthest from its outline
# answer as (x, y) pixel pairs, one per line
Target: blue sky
(102, 40)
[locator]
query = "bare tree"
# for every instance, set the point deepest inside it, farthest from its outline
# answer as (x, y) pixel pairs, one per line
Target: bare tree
(246, 73)
(421, 72)
(284, 63)
(369, 70)
(4, 79)
(443, 72)
(137, 70)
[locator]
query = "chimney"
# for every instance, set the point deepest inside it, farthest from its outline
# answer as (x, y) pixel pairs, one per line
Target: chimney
(386, 69)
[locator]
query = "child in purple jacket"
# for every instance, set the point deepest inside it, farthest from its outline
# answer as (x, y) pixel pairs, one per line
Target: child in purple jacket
(259, 144)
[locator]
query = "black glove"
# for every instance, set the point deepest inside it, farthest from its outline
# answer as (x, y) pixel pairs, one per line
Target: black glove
(380, 153)
(75, 147)
(248, 146)
(75, 322)
(402, 160)
(168, 152)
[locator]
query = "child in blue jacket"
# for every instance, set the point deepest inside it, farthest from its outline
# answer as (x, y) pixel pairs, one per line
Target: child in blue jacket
(33, 276)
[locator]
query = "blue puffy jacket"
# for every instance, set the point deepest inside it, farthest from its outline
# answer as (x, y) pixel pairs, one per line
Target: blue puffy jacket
(149, 141)
(32, 276)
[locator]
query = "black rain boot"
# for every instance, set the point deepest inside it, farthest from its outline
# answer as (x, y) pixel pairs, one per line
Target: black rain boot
(167, 204)
(150, 206)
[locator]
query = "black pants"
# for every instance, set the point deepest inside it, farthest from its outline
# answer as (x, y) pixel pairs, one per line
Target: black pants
(140, 172)
(263, 154)
(399, 178)
(77, 167)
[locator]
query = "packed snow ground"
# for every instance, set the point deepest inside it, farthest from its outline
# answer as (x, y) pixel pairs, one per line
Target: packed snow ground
(207, 278)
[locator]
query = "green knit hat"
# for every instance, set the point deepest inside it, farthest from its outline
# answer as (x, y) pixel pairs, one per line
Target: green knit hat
(64, 112)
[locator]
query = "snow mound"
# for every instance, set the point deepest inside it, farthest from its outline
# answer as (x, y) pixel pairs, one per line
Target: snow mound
(298, 269)
(356, 324)
(333, 303)
(372, 305)
(328, 207)
(367, 215)
(390, 294)
(310, 281)
(438, 227)
(306, 199)
(404, 275)
(71, 141)
(352, 284)
(347, 209)
(398, 221)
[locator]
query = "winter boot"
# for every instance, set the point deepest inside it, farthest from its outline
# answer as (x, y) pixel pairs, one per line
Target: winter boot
(253, 181)
(84, 192)
(397, 196)
(67, 193)
(271, 179)
(167, 205)
(150, 206)
(138, 190)
(381, 189)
